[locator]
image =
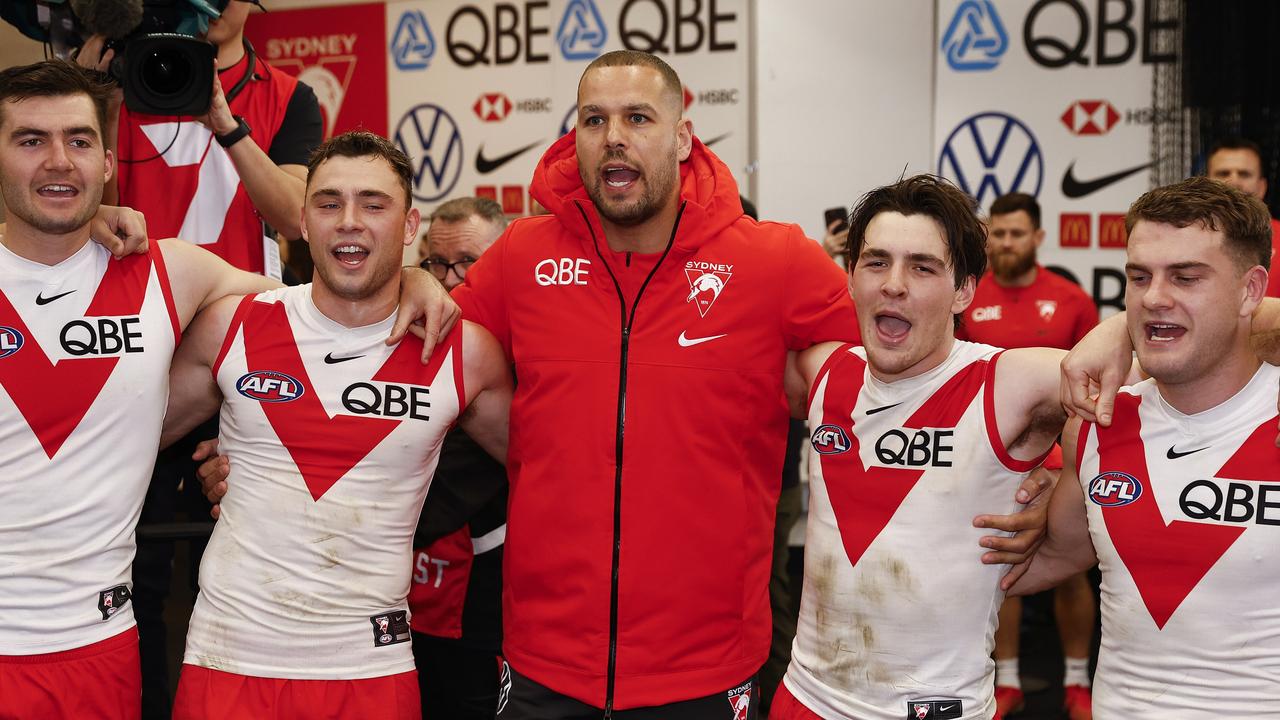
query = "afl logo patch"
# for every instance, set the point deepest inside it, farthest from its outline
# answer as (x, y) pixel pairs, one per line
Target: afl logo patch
(269, 386)
(830, 440)
(10, 341)
(1113, 489)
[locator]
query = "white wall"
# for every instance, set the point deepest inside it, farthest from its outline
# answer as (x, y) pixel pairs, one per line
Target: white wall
(844, 93)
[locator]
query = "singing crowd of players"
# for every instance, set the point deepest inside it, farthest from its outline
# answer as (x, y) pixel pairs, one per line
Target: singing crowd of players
(632, 357)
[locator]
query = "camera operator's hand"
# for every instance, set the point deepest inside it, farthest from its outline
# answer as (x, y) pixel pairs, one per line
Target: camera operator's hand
(219, 119)
(91, 55)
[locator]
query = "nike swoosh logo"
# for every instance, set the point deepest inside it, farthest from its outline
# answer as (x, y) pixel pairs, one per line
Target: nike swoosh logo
(1073, 188)
(485, 165)
(690, 342)
(1174, 454)
(945, 708)
(331, 360)
(46, 300)
(873, 411)
(716, 139)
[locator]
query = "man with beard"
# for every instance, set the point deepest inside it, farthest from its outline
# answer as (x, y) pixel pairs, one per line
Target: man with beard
(1019, 303)
(334, 436)
(649, 322)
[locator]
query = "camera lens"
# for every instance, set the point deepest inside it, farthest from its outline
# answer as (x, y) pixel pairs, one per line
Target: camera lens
(166, 73)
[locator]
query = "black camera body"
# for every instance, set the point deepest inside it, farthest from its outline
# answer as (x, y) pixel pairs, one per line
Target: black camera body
(161, 64)
(166, 73)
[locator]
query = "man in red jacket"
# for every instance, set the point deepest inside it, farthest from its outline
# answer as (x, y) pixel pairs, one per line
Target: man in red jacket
(649, 322)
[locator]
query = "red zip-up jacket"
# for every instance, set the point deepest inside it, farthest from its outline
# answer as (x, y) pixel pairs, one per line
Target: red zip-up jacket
(647, 433)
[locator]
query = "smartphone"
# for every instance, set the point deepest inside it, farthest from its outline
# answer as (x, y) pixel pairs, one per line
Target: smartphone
(836, 214)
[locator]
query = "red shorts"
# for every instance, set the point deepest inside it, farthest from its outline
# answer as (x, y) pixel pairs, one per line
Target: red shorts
(786, 707)
(206, 694)
(101, 681)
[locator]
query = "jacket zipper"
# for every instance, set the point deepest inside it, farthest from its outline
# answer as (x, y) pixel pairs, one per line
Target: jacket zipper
(627, 322)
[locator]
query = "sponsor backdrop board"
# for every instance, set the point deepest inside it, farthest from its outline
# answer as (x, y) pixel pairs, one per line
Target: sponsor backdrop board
(1052, 98)
(340, 51)
(477, 91)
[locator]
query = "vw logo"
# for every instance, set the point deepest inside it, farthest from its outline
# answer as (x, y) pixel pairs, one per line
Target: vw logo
(990, 154)
(430, 137)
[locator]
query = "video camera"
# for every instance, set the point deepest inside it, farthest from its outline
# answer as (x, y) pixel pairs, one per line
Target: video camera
(162, 61)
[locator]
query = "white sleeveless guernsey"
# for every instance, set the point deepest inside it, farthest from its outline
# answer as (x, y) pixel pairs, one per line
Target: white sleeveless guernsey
(85, 349)
(898, 613)
(333, 438)
(1184, 511)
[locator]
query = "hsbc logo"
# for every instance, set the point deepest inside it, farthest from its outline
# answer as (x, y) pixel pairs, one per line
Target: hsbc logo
(492, 107)
(1114, 489)
(496, 107)
(1090, 117)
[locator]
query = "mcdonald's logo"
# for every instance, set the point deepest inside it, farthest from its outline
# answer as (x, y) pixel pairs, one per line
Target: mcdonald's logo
(1074, 230)
(1111, 233)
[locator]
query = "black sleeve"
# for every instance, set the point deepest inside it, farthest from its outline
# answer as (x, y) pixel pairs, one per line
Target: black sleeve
(466, 483)
(301, 131)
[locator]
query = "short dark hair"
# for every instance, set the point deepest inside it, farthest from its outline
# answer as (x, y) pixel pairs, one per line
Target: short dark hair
(362, 143)
(1233, 142)
(1242, 218)
(459, 209)
(56, 78)
(933, 197)
(1013, 202)
(628, 58)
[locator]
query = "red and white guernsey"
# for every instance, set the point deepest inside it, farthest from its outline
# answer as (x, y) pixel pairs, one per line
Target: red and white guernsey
(1184, 511)
(333, 438)
(85, 349)
(898, 613)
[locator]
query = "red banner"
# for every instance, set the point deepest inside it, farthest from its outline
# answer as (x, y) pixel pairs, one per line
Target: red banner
(339, 51)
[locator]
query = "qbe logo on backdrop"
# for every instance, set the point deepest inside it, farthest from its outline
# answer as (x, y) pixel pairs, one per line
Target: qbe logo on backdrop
(430, 137)
(975, 39)
(990, 154)
(412, 44)
(582, 33)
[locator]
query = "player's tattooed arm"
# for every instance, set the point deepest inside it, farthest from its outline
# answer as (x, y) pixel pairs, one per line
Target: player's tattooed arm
(1067, 548)
(487, 381)
(193, 392)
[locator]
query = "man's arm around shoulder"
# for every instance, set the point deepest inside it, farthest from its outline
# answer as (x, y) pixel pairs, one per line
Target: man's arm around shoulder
(193, 390)
(488, 387)
(198, 278)
(1068, 548)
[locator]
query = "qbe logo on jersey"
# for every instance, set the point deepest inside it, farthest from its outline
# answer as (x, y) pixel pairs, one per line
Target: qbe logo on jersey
(991, 154)
(1114, 489)
(412, 44)
(10, 341)
(430, 137)
(975, 39)
(269, 386)
(706, 281)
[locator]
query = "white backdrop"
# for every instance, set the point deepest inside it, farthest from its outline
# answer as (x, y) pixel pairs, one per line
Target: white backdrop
(478, 90)
(1051, 98)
